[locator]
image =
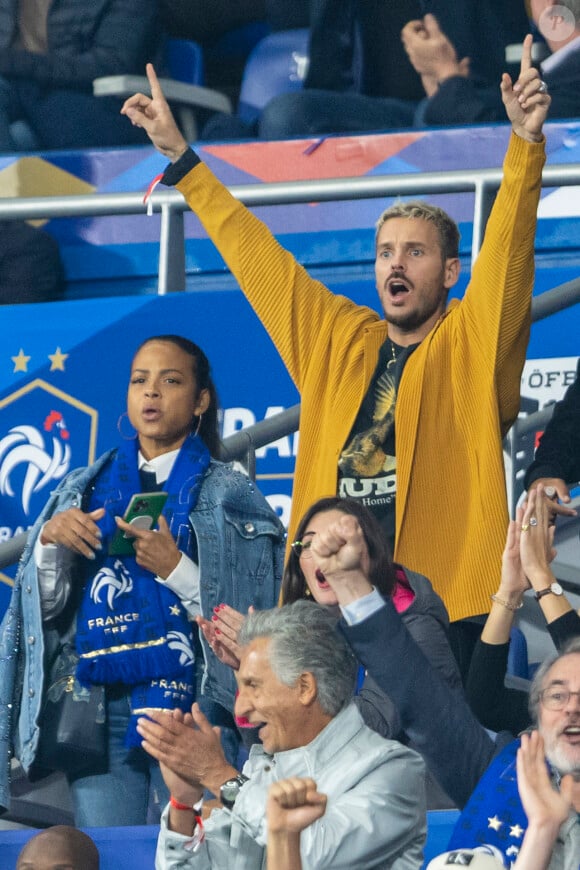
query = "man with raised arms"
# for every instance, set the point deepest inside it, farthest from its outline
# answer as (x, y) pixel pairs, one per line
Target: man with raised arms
(444, 378)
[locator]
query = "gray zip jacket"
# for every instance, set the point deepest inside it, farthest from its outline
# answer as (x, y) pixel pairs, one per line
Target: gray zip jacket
(375, 816)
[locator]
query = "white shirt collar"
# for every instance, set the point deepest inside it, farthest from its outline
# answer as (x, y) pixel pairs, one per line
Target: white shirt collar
(555, 59)
(161, 465)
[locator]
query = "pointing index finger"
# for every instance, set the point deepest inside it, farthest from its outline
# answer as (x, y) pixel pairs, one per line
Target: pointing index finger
(526, 62)
(156, 92)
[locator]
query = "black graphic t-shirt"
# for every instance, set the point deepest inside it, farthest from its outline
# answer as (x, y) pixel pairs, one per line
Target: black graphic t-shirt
(367, 468)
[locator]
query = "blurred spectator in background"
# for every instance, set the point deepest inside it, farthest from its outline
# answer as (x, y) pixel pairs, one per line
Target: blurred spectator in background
(227, 30)
(50, 52)
(360, 77)
(457, 98)
(59, 847)
(557, 460)
(31, 269)
(204, 22)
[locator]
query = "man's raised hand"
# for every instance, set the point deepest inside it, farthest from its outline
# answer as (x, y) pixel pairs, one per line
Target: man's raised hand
(154, 116)
(526, 102)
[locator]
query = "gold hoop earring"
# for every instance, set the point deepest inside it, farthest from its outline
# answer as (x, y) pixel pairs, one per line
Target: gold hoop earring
(198, 427)
(120, 427)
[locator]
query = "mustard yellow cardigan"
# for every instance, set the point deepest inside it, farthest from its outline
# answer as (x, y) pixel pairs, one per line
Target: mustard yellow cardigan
(460, 390)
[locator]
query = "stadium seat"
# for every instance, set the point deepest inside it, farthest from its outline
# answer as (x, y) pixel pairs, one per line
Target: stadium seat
(518, 654)
(182, 85)
(277, 64)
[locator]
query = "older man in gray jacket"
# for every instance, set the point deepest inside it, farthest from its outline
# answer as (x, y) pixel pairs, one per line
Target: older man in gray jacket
(296, 682)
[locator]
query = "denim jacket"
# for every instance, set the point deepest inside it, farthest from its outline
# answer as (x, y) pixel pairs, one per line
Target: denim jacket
(240, 544)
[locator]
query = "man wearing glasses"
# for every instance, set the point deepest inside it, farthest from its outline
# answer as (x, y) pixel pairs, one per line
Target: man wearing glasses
(546, 834)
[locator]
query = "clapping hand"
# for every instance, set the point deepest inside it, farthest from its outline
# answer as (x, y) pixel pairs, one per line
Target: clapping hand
(431, 53)
(542, 803)
(188, 749)
(221, 633)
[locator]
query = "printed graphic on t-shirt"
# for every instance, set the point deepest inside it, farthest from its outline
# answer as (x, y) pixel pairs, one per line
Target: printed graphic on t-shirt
(367, 465)
(364, 455)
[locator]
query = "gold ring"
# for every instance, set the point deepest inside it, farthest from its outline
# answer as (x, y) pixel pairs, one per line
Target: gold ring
(525, 527)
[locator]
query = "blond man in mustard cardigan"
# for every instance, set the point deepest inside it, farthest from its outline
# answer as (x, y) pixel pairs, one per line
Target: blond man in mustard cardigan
(459, 391)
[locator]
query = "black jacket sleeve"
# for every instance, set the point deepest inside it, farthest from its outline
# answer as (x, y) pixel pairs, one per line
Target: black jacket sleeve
(558, 453)
(331, 45)
(564, 628)
(437, 719)
(496, 705)
(461, 100)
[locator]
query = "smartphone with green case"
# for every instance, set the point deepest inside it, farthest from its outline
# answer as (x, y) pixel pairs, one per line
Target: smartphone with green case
(143, 512)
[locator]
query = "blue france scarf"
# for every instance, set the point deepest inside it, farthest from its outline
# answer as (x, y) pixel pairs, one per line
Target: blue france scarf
(132, 630)
(494, 814)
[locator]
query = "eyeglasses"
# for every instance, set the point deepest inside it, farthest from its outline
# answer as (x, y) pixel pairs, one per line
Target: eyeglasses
(556, 699)
(302, 548)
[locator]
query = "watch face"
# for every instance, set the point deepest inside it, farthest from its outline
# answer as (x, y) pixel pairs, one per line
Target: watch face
(229, 792)
(557, 589)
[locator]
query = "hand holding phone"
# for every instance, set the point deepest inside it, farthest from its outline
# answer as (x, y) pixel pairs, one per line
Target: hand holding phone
(142, 512)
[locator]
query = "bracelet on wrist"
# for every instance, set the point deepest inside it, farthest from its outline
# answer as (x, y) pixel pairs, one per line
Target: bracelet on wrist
(506, 604)
(197, 831)
(195, 808)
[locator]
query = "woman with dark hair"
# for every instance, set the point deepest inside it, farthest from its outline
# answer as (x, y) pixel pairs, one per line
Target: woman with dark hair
(126, 609)
(382, 571)
(413, 596)
(421, 609)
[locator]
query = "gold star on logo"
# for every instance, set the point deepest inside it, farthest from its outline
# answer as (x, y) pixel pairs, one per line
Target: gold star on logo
(494, 823)
(174, 610)
(57, 360)
(21, 361)
(516, 831)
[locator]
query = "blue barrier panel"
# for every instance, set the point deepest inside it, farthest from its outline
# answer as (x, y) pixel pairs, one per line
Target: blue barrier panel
(440, 824)
(133, 848)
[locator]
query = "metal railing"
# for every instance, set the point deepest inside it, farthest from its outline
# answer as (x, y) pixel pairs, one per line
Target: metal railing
(484, 183)
(242, 445)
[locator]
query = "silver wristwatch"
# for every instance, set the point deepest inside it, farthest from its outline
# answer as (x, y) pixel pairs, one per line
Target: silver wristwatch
(231, 789)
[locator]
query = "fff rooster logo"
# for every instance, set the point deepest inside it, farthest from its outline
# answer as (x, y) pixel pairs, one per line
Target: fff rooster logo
(44, 433)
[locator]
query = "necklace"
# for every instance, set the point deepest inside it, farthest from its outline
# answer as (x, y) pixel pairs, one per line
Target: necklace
(392, 362)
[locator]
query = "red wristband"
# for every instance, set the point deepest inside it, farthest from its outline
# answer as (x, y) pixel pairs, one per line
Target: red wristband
(177, 806)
